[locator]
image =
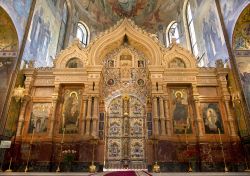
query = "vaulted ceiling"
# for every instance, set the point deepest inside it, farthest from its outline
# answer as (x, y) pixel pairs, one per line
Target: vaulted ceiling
(151, 15)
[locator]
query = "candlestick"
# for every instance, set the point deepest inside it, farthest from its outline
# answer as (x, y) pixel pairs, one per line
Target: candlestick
(190, 168)
(222, 151)
(31, 141)
(9, 170)
(58, 167)
(33, 132)
(186, 136)
(63, 135)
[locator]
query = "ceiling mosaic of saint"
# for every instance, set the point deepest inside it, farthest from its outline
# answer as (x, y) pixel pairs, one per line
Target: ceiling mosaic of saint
(147, 13)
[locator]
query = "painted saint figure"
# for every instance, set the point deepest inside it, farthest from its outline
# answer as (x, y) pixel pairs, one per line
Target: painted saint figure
(211, 120)
(180, 112)
(71, 112)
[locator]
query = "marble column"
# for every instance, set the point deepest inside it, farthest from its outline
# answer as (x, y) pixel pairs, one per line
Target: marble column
(162, 117)
(168, 119)
(53, 113)
(95, 116)
(85, 99)
(155, 115)
(199, 120)
(88, 118)
(21, 116)
(230, 118)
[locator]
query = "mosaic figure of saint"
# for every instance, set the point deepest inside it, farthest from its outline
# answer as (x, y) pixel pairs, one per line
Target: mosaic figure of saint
(71, 112)
(211, 120)
(180, 111)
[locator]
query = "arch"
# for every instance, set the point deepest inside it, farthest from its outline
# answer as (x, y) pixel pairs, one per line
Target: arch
(177, 52)
(240, 38)
(83, 33)
(73, 51)
(74, 63)
(189, 28)
(140, 39)
(9, 48)
(236, 16)
(241, 46)
(8, 30)
(168, 40)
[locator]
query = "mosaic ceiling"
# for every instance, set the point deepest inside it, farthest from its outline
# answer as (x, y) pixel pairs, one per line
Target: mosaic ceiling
(241, 36)
(8, 39)
(149, 14)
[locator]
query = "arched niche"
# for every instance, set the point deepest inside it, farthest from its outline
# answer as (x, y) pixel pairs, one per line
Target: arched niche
(177, 63)
(139, 39)
(74, 63)
(73, 51)
(178, 57)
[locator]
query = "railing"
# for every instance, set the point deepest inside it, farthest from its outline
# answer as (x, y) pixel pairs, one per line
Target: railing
(119, 166)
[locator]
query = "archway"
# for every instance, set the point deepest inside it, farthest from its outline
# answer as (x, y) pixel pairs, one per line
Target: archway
(8, 54)
(241, 47)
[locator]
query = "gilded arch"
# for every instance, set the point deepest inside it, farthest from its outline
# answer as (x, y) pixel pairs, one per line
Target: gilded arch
(175, 51)
(139, 38)
(74, 51)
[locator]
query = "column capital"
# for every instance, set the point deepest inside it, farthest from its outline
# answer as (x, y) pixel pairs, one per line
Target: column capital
(26, 99)
(85, 97)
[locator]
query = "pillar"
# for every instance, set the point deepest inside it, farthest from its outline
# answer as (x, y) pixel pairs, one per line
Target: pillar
(53, 113)
(168, 119)
(21, 116)
(53, 110)
(95, 116)
(162, 117)
(85, 99)
(230, 118)
(88, 118)
(199, 120)
(155, 113)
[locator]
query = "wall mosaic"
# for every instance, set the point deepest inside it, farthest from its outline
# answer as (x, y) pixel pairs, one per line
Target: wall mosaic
(231, 10)
(212, 118)
(241, 35)
(210, 38)
(181, 111)
(43, 36)
(71, 110)
(241, 46)
(19, 12)
(8, 39)
(39, 117)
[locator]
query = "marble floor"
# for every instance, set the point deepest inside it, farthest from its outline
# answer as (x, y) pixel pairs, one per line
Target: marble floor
(138, 173)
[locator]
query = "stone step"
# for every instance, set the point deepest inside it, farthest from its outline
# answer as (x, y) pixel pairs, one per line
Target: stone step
(139, 173)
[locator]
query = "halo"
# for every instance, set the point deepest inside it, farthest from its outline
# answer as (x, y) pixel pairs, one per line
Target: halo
(73, 92)
(179, 93)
